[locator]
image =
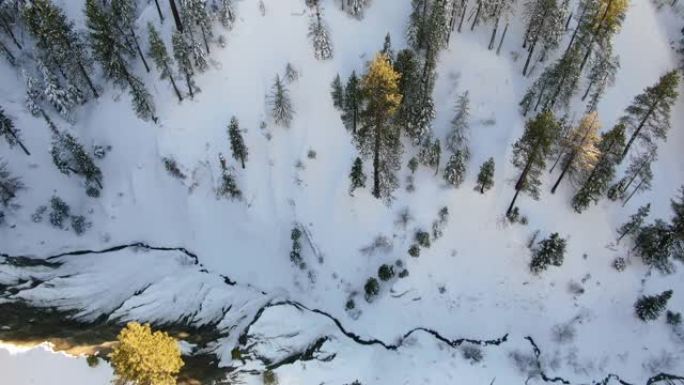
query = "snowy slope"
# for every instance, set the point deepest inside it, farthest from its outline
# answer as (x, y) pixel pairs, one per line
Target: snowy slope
(481, 262)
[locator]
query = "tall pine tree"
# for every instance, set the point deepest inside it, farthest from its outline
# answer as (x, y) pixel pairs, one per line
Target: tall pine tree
(161, 59)
(10, 133)
(237, 144)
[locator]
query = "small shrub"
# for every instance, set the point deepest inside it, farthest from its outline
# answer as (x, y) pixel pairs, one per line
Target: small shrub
(93, 192)
(270, 378)
(619, 264)
(291, 73)
(37, 215)
(414, 250)
(403, 274)
(172, 167)
(372, 288)
(413, 164)
(472, 353)
(381, 243)
(386, 272)
(295, 254)
(575, 288)
(673, 318)
(563, 333)
(350, 305)
(79, 224)
(404, 217)
(92, 361)
(311, 154)
(514, 215)
(59, 212)
(423, 238)
(236, 354)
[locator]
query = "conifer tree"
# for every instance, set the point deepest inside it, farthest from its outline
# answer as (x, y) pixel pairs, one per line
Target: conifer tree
(33, 94)
(530, 153)
(407, 65)
(354, 7)
(485, 178)
(226, 12)
(597, 181)
(498, 10)
(454, 171)
(7, 54)
(422, 109)
(557, 83)
(649, 307)
(430, 153)
(648, 117)
(337, 92)
(182, 54)
(457, 138)
(377, 138)
(54, 94)
(71, 158)
(352, 103)
(123, 17)
(11, 134)
(318, 32)
(604, 67)
(636, 220)
(60, 46)
(604, 19)
(549, 251)
(237, 144)
(281, 105)
(387, 47)
(638, 175)
(581, 152)
(357, 178)
(195, 15)
(9, 188)
(291, 73)
(545, 19)
(228, 187)
(161, 59)
(416, 32)
(9, 17)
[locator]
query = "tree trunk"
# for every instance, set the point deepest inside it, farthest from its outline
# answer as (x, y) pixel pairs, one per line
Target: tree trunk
(242, 161)
(161, 16)
(173, 83)
(7, 52)
(452, 22)
(477, 15)
(87, 78)
(14, 135)
(496, 27)
(510, 207)
(137, 47)
(567, 22)
(632, 194)
(555, 94)
(574, 33)
(189, 83)
(529, 55)
(586, 93)
(376, 162)
(526, 37)
(176, 16)
(568, 163)
(520, 182)
(557, 160)
(541, 94)
(460, 23)
(204, 37)
(637, 131)
(7, 29)
(503, 36)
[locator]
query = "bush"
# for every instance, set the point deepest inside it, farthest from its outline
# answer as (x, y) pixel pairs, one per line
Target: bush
(619, 264)
(172, 167)
(673, 318)
(59, 212)
(386, 272)
(649, 307)
(295, 254)
(146, 357)
(79, 224)
(92, 361)
(472, 353)
(372, 288)
(270, 378)
(350, 305)
(414, 250)
(423, 238)
(403, 274)
(37, 216)
(550, 251)
(311, 154)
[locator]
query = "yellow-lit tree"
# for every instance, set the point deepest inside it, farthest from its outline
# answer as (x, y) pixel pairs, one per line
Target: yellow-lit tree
(378, 138)
(580, 148)
(144, 357)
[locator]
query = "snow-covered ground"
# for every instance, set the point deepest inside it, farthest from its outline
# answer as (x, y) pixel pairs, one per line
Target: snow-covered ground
(474, 282)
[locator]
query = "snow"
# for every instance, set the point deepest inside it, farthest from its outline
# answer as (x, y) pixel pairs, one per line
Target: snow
(481, 262)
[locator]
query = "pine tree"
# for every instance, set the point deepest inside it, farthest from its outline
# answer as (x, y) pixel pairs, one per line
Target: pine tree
(604, 20)
(499, 9)
(9, 188)
(59, 44)
(354, 7)
(182, 53)
(33, 94)
(71, 158)
(11, 134)
(648, 117)
(557, 83)
(421, 111)
(545, 26)
(237, 144)
(416, 32)
(226, 12)
(604, 67)
(8, 54)
(656, 244)
(635, 222)
(9, 17)
(356, 177)
(54, 94)
(430, 153)
(142, 100)
(161, 58)
(637, 175)
(281, 105)
(549, 251)
(377, 138)
(580, 147)
(457, 138)
(337, 93)
(530, 153)
(485, 179)
(454, 171)
(677, 225)
(407, 65)
(228, 187)
(387, 47)
(649, 307)
(291, 73)
(352, 103)
(123, 14)
(596, 182)
(318, 32)
(194, 14)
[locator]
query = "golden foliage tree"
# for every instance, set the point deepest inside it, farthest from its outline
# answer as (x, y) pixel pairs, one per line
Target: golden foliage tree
(580, 147)
(144, 357)
(381, 96)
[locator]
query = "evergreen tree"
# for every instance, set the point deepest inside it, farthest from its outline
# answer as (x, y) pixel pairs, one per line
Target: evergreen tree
(387, 48)
(376, 137)
(649, 307)
(354, 7)
(677, 225)
(603, 22)
(407, 65)
(580, 147)
(454, 171)
(637, 175)
(648, 117)
(545, 26)
(123, 17)
(356, 177)
(161, 58)
(71, 158)
(291, 73)
(416, 32)
(352, 103)
(296, 253)
(9, 17)
(7, 54)
(11, 134)
(485, 179)
(498, 10)
(604, 67)
(635, 222)
(457, 138)
(225, 12)
(281, 105)
(549, 251)
(597, 181)
(228, 187)
(195, 15)
(656, 244)
(337, 92)
(60, 46)
(183, 55)
(430, 153)
(318, 32)
(54, 94)
(237, 144)
(530, 153)
(422, 109)
(33, 95)
(9, 187)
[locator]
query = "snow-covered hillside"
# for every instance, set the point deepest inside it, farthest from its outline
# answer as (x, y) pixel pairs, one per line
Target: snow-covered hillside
(204, 260)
